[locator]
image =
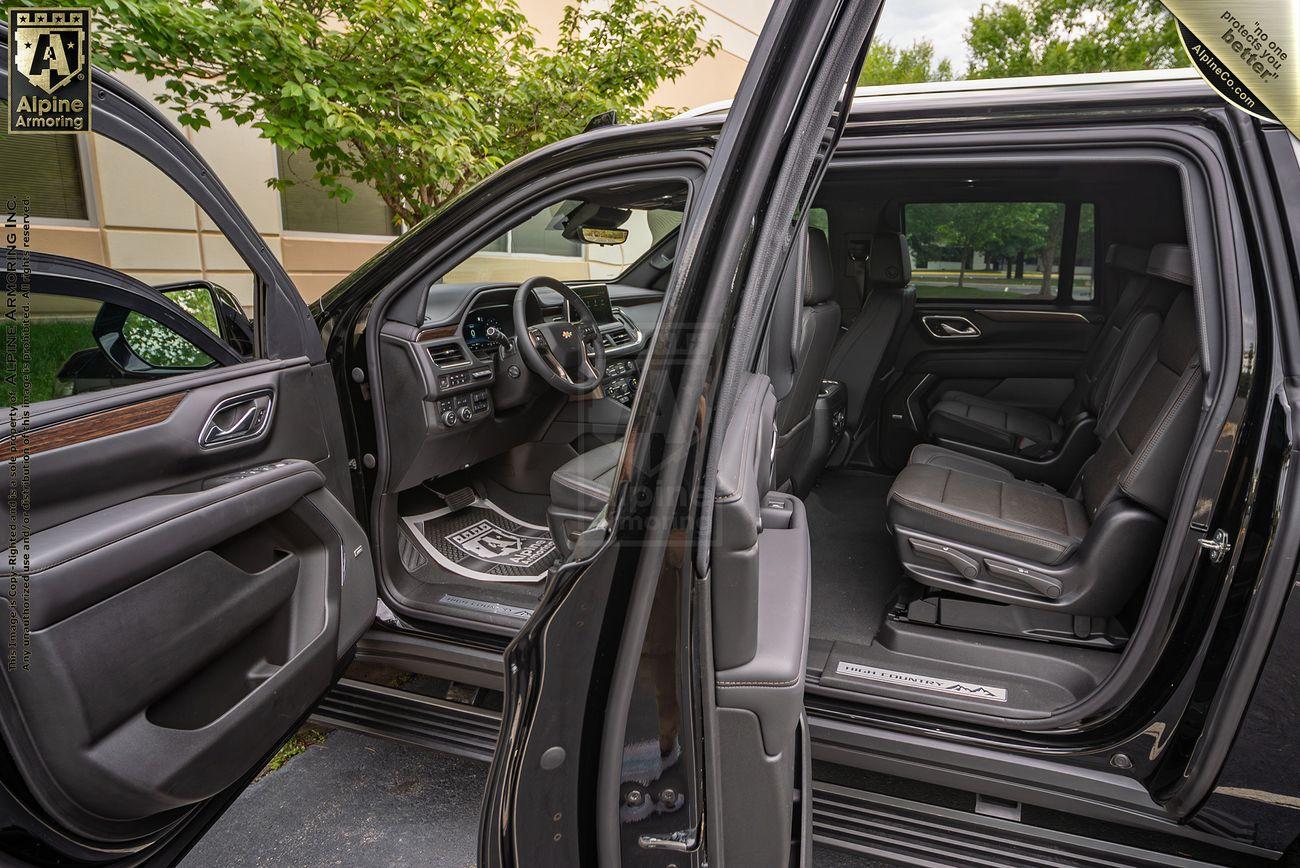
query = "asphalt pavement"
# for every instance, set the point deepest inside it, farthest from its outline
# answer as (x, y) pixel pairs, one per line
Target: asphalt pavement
(359, 801)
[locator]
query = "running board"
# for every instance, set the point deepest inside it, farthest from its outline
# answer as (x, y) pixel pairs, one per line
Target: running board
(398, 715)
(912, 833)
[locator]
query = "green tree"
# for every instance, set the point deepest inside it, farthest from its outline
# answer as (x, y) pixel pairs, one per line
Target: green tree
(418, 98)
(1047, 37)
(888, 64)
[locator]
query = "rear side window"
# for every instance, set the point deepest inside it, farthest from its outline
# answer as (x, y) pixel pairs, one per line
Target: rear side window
(1083, 287)
(989, 251)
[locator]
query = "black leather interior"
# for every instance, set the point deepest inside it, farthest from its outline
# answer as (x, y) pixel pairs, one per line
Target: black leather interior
(801, 335)
(962, 523)
(579, 490)
(863, 356)
(805, 320)
(962, 418)
(214, 589)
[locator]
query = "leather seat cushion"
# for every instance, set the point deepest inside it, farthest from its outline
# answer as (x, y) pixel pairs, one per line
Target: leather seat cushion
(1022, 519)
(582, 485)
(937, 456)
(972, 419)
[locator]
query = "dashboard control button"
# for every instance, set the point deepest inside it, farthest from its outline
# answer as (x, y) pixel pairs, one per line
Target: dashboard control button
(513, 371)
(466, 414)
(449, 419)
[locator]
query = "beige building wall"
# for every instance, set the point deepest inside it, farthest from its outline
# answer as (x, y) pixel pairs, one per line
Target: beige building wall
(143, 224)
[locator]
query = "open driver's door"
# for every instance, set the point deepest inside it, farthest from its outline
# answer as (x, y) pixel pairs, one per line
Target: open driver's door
(185, 573)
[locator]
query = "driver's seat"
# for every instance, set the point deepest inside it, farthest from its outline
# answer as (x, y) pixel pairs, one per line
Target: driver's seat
(800, 337)
(579, 490)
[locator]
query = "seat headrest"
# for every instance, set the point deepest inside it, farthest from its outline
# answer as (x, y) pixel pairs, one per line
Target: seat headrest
(1133, 259)
(1172, 262)
(890, 263)
(819, 284)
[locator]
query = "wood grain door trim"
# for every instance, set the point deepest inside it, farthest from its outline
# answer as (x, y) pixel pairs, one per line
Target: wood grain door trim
(86, 428)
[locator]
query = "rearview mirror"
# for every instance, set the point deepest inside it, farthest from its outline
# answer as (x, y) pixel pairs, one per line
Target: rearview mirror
(593, 235)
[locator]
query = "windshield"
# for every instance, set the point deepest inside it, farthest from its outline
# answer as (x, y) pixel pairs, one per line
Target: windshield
(540, 245)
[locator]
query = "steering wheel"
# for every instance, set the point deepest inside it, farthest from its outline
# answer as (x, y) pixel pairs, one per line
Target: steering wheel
(558, 351)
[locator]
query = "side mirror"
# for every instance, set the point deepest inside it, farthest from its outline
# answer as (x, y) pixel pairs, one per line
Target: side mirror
(217, 309)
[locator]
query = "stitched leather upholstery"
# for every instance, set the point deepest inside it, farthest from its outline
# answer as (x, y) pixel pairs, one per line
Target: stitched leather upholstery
(966, 418)
(579, 490)
(1085, 551)
(805, 322)
(864, 354)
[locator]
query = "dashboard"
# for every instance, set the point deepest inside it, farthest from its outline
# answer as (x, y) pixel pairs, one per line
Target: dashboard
(479, 320)
(453, 398)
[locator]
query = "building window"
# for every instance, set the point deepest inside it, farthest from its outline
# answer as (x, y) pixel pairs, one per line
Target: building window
(46, 168)
(307, 207)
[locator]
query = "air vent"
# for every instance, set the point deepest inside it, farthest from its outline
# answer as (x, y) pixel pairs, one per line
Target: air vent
(446, 355)
(615, 338)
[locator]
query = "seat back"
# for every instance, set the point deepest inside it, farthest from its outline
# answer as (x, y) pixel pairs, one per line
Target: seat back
(805, 321)
(863, 356)
(1148, 427)
(1127, 275)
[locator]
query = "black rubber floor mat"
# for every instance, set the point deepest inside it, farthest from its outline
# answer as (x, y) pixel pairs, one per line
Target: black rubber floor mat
(485, 543)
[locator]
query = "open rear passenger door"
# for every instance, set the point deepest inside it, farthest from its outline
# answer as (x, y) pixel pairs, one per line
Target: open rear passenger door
(653, 703)
(189, 573)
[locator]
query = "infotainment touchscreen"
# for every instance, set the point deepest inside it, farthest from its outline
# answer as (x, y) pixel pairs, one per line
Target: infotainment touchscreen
(597, 300)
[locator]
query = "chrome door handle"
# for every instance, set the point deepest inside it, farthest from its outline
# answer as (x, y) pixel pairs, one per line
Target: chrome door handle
(243, 417)
(950, 326)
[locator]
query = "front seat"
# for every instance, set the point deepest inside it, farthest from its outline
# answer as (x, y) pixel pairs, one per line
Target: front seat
(801, 335)
(579, 490)
(864, 355)
(805, 321)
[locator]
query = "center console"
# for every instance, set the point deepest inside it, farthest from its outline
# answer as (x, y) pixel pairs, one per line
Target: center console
(623, 341)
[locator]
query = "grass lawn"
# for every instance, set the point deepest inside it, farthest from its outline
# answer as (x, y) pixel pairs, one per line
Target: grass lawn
(53, 341)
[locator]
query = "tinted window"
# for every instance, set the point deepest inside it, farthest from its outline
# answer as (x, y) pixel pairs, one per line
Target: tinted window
(68, 358)
(1085, 256)
(538, 245)
(994, 251)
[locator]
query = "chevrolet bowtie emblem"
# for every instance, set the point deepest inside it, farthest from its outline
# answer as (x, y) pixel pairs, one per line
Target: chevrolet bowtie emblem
(566, 335)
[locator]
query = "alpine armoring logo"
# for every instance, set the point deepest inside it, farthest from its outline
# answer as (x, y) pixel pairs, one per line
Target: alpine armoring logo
(49, 70)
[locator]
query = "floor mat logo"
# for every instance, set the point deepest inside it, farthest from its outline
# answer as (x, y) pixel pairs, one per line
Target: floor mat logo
(923, 682)
(487, 542)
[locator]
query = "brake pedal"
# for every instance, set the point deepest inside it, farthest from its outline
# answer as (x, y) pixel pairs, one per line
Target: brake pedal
(460, 498)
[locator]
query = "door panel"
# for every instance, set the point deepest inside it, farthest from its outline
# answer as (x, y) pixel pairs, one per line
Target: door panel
(187, 605)
(191, 574)
(762, 586)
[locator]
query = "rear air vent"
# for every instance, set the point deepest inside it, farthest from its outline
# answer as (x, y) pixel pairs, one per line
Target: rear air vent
(615, 338)
(446, 355)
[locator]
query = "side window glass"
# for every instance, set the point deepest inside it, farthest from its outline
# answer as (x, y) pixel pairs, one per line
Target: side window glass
(81, 345)
(98, 210)
(1084, 287)
(991, 251)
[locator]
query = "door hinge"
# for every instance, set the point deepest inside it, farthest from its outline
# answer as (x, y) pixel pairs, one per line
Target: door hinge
(1217, 545)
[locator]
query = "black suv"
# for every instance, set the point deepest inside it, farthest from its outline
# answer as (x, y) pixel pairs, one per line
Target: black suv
(907, 474)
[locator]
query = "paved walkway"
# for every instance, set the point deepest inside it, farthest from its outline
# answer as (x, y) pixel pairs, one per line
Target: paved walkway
(359, 801)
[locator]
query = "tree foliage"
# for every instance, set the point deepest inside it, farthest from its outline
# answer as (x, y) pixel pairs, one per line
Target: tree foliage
(1003, 232)
(418, 98)
(888, 64)
(1048, 37)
